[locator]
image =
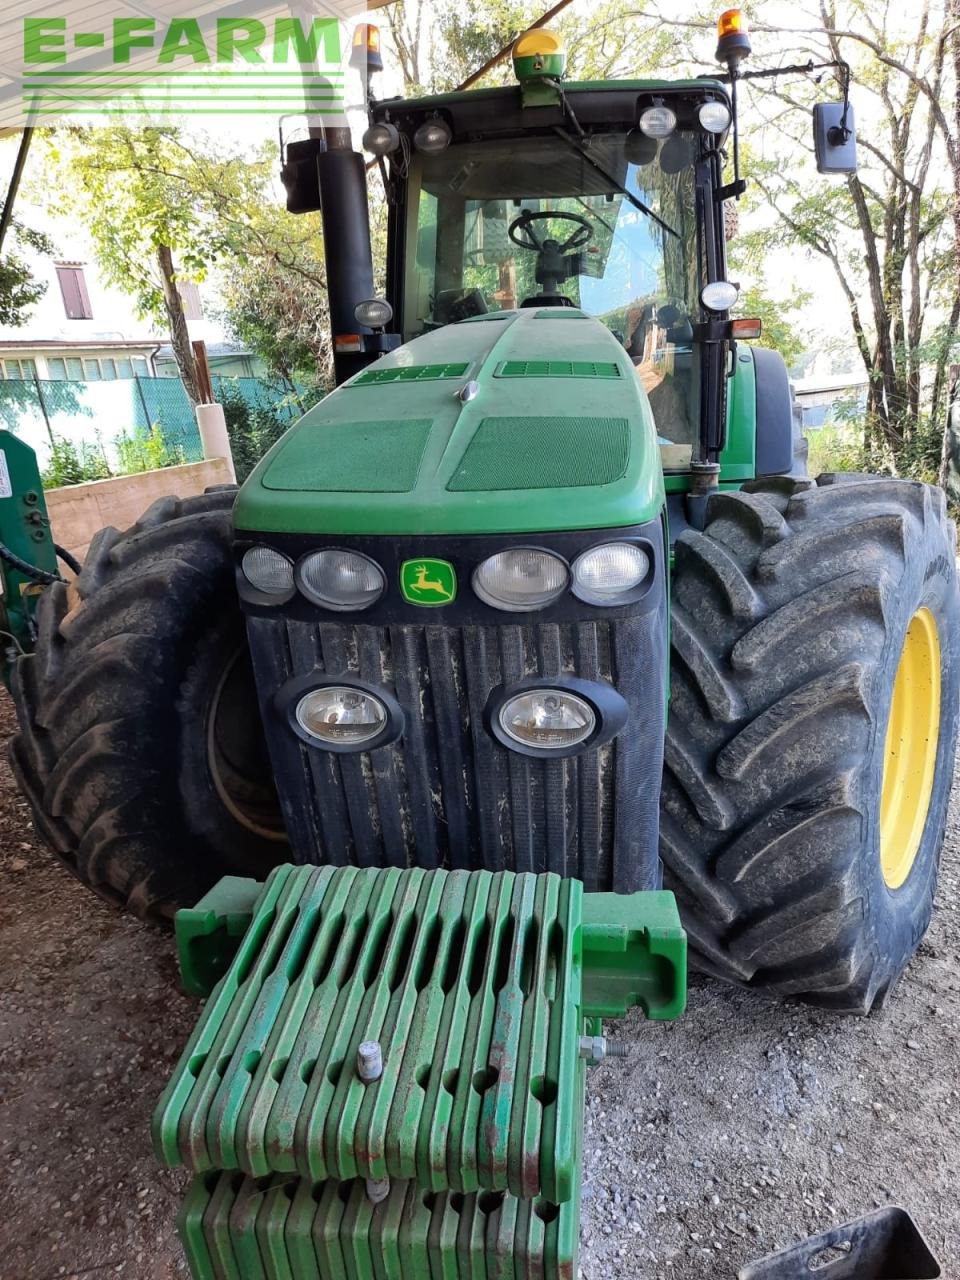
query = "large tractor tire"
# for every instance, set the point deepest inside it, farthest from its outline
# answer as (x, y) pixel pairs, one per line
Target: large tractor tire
(812, 729)
(140, 747)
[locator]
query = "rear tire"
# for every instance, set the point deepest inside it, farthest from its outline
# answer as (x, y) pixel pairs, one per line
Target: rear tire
(790, 615)
(140, 747)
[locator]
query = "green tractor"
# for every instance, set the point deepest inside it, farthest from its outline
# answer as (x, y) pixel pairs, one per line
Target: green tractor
(540, 587)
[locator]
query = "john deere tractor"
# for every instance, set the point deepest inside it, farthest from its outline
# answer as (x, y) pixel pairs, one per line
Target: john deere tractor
(540, 587)
(536, 613)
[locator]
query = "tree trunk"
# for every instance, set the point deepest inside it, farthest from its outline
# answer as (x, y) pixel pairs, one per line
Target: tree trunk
(179, 334)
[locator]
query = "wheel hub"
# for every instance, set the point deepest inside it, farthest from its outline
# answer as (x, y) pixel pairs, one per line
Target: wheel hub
(913, 733)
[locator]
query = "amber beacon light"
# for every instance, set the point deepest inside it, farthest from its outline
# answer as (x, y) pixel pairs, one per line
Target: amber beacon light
(365, 54)
(733, 36)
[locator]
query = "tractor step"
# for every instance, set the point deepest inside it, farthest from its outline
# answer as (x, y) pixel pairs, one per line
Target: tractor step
(420, 1035)
(234, 1227)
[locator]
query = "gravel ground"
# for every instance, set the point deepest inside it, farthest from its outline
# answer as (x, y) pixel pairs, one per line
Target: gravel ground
(722, 1137)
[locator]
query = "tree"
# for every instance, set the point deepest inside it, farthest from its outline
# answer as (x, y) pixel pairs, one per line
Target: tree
(19, 290)
(780, 331)
(439, 44)
(278, 316)
(146, 236)
(885, 232)
(162, 207)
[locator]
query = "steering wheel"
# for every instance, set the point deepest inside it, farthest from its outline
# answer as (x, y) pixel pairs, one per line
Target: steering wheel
(522, 233)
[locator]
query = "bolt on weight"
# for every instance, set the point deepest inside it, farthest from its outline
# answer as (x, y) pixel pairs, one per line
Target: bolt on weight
(369, 1061)
(596, 1048)
(377, 1189)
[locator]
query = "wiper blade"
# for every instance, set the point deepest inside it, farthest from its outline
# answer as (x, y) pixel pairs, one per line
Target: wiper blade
(637, 203)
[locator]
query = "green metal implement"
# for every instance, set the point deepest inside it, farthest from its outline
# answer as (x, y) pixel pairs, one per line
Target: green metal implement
(399, 1055)
(25, 532)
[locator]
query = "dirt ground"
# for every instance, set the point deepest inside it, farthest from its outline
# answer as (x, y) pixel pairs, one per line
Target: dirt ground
(722, 1137)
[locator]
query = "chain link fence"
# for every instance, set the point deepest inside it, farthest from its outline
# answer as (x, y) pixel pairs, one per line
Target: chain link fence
(107, 420)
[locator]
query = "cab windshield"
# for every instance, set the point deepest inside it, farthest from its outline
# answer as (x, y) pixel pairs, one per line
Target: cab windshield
(533, 222)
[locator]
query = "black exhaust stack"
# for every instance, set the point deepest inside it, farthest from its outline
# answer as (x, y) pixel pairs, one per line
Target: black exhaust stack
(324, 173)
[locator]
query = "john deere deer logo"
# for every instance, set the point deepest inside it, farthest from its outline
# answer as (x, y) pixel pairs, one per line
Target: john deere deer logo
(428, 581)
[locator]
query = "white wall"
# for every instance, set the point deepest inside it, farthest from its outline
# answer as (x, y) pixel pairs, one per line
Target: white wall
(114, 313)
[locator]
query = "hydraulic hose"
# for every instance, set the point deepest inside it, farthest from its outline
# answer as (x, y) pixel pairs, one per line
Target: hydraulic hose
(71, 561)
(30, 570)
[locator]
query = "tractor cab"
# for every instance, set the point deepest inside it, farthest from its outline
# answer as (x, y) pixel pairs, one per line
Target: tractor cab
(600, 198)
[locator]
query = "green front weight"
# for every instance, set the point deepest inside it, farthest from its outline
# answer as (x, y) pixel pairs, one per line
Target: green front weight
(463, 1156)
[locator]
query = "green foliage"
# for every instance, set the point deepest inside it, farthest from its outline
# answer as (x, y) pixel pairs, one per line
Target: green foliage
(137, 190)
(137, 451)
(75, 464)
(252, 431)
(780, 333)
(146, 449)
(19, 290)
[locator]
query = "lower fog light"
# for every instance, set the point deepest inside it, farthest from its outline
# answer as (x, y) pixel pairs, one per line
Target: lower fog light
(551, 719)
(341, 716)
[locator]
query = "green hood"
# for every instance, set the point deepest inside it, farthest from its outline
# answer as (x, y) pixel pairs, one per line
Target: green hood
(557, 435)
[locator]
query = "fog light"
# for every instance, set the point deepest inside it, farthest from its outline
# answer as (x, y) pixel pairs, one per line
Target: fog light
(658, 122)
(341, 716)
(268, 571)
(551, 719)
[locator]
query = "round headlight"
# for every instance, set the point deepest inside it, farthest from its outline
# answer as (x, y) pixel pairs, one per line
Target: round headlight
(520, 579)
(381, 139)
(721, 295)
(374, 313)
(658, 122)
(433, 135)
(268, 571)
(609, 573)
(341, 716)
(551, 719)
(714, 116)
(340, 579)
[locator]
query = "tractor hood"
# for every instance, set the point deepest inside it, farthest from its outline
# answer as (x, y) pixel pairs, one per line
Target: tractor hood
(513, 422)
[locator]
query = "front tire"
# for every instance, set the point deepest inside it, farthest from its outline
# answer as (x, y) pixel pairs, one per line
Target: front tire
(140, 747)
(787, 806)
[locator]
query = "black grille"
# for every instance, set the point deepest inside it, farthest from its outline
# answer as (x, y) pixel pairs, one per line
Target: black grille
(447, 794)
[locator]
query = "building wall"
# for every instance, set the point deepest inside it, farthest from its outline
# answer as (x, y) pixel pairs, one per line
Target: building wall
(114, 316)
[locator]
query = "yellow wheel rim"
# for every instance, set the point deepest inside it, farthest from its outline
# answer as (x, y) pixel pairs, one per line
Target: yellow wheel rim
(910, 756)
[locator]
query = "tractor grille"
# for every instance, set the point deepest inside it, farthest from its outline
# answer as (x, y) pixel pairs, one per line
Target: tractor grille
(447, 794)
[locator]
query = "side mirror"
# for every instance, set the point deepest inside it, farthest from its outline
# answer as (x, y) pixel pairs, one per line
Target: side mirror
(834, 138)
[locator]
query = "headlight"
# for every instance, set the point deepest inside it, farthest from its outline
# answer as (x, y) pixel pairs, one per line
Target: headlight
(520, 579)
(340, 579)
(268, 571)
(608, 574)
(658, 122)
(433, 135)
(341, 716)
(714, 116)
(550, 719)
